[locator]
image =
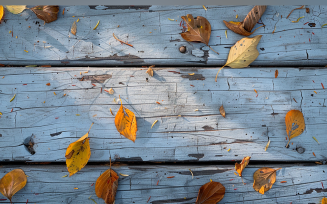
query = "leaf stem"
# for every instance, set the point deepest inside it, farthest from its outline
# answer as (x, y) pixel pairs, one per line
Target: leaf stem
(213, 50)
(288, 143)
(218, 72)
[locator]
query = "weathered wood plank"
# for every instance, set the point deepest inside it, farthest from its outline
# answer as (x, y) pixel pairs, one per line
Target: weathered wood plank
(156, 39)
(46, 184)
(202, 135)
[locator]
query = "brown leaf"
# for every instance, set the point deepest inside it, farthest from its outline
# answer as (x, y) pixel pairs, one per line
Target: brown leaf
(46, 13)
(198, 30)
(126, 123)
(264, 179)
(222, 111)
(295, 125)
(240, 167)
(12, 182)
(245, 27)
(210, 193)
(106, 186)
(150, 71)
(276, 73)
(73, 29)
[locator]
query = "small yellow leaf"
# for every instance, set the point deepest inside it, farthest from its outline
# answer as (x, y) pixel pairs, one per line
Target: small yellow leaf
(295, 125)
(228, 150)
(16, 9)
(24, 50)
(243, 53)
(77, 20)
(75, 188)
(12, 182)
(78, 154)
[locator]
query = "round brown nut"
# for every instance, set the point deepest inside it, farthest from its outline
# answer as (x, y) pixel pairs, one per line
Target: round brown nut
(182, 49)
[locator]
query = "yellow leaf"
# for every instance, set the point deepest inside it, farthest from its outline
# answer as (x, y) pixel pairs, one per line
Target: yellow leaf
(2, 12)
(16, 9)
(243, 53)
(78, 154)
(295, 125)
(106, 186)
(12, 182)
(264, 179)
(240, 167)
(126, 123)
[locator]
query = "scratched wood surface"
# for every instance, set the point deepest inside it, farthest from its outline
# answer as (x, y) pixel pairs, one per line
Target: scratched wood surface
(47, 184)
(54, 120)
(156, 39)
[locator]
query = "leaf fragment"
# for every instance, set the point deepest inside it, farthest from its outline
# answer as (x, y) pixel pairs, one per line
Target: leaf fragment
(204, 7)
(171, 19)
(191, 173)
(239, 167)
(295, 125)
(154, 123)
(150, 71)
(126, 123)
(121, 41)
(315, 140)
(123, 174)
(46, 13)
(321, 26)
(12, 182)
(211, 192)
(96, 25)
(222, 111)
(13, 98)
(297, 19)
(73, 29)
(267, 145)
(276, 73)
(264, 178)
(78, 154)
(16, 9)
(111, 91)
(243, 53)
(226, 34)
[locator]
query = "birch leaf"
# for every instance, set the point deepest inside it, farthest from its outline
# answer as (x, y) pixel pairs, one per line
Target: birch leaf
(264, 179)
(295, 125)
(126, 123)
(12, 182)
(46, 13)
(243, 53)
(16, 9)
(198, 30)
(78, 154)
(210, 193)
(240, 167)
(245, 27)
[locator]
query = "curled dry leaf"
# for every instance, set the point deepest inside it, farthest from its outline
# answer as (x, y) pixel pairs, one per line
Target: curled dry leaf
(264, 179)
(150, 71)
(126, 123)
(245, 27)
(243, 53)
(16, 9)
(222, 111)
(78, 154)
(295, 125)
(240, 167)
(211, 192)
(46, 13)
(12, 182)
(2, 12)
(111, 91)
(106, 186)
(73, 29)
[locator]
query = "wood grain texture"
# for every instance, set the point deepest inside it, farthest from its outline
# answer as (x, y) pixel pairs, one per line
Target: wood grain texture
(46, 184)
(156, 39)
(181, 133)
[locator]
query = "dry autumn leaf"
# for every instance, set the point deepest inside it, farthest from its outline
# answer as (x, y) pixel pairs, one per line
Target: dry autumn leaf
(198, 30)
(222, 111)
(245, 27)
(324, 200)
(16, 9)
(106, 186)
(243, 53)
(276, 73)
(210, 193)
(264, 179)
(126, 122)
(2, 12)
(150, 71)
(74, 28)
(295, 125)
(78, 154)
(12, 182)
(46, 13)
(240, 167)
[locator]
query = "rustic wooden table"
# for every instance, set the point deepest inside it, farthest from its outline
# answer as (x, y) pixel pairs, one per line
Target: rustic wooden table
(183, 138)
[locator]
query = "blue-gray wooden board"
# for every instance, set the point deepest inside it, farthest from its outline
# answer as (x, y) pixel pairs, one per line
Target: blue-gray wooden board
(156, 39)
(47, 184)
(189, 125)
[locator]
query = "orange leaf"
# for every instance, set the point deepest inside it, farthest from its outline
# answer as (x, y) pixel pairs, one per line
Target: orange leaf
(324, 200)
(12, 182)
(295, 125)
(74, 28)
(276, 73)
(150, 71)
(2, 12)
(126, 123)
(222, 111)
(264, 179)
(211, 192)
(240, 167)
(106, 186)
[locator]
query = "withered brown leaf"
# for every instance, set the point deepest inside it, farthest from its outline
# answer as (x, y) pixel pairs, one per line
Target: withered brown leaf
(240, 167)
(245, 27)
(73, 29)
(198, 30)
(222, 111)
(150, 71)
(211, 192)
(264, 179)
(46, 13)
